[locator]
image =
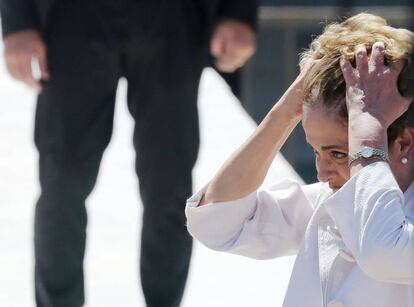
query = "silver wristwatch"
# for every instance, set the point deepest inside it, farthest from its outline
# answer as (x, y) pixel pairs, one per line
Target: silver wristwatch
(368, 153)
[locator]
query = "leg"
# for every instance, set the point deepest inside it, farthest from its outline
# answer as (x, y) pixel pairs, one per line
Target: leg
(167, 145)
(60, 225)
(166, 139)
(73, 126)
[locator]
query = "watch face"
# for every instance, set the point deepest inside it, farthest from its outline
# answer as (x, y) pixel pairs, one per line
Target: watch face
(367, 152)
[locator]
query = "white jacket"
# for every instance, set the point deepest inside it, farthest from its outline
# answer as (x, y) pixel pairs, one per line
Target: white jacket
(355, 248)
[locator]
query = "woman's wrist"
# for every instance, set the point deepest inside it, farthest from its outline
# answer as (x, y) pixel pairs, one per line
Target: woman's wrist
(366, 130)
(287, 111)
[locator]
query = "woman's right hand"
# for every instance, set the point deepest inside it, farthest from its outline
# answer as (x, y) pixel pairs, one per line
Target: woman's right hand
(292, 100)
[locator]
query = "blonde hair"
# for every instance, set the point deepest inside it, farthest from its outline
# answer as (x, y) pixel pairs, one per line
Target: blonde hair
(324, 84)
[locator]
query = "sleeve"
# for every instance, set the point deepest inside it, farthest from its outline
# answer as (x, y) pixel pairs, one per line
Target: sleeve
(245, 11)
(368, 211)
(262, 225)
(17, 15)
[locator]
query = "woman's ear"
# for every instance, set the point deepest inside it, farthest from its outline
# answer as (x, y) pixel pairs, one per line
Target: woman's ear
(401, 153)
(404, 143)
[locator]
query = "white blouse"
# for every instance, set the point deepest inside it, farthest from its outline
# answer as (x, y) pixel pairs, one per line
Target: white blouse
(354, 248)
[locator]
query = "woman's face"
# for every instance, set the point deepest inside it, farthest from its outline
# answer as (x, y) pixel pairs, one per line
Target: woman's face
(327, 134)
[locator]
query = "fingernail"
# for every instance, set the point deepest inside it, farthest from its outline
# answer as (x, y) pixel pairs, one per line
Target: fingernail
(360, 49)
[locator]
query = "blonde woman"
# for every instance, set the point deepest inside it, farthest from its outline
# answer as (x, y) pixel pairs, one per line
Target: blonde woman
(353, 231)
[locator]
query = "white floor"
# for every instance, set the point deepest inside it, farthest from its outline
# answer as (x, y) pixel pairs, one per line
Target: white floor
(114, 208)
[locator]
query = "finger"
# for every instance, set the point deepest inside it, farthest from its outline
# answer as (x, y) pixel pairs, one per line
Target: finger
(40, 55)
(26, 74)
(317, 55)
(377, 54)
(361, 59)
(36, 73)
(347, 71)
(44, 70)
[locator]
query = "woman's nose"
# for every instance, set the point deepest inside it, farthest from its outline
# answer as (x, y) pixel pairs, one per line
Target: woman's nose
(325, 170)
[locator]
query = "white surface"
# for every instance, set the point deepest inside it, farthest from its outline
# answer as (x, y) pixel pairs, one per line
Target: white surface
(114, 209)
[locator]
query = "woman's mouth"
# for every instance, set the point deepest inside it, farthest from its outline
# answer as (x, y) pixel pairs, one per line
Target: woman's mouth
(334, 187)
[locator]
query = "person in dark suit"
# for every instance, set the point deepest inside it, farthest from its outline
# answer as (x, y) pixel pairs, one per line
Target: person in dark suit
(82, 49)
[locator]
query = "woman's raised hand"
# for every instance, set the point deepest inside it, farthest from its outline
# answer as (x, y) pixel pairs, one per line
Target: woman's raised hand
(371, 87)
(292, 100)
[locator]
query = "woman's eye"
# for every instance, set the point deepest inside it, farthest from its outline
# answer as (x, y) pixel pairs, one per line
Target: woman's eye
(339, 155)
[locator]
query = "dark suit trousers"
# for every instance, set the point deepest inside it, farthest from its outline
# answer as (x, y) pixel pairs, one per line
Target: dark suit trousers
(161, 59)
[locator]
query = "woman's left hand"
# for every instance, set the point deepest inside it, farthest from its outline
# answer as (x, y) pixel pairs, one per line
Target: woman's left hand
(371, 87)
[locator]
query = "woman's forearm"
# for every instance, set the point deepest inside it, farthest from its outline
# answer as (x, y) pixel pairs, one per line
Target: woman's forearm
(246, 168)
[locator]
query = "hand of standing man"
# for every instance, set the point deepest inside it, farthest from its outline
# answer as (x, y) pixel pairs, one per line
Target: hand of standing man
(232, 44)
(20, 50)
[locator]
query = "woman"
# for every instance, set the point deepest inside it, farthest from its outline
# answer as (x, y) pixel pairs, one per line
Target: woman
(353, 231)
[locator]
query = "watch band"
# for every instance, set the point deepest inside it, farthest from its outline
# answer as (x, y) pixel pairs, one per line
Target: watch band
(368, 153)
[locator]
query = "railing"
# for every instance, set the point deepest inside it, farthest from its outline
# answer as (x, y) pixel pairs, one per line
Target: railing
(306, 14)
